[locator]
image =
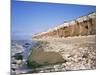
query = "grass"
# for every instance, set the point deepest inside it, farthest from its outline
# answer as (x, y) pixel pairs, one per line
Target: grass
(39, 57)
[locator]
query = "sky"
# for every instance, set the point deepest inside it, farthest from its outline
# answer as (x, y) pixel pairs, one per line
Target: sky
(29, 18)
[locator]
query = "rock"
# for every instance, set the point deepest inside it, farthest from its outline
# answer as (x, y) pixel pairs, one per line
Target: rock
(18, 62)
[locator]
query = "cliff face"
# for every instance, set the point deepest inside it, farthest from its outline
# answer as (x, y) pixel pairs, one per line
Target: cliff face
(85, 25)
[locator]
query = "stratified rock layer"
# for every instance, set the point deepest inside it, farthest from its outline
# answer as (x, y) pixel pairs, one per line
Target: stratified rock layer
(85, 25)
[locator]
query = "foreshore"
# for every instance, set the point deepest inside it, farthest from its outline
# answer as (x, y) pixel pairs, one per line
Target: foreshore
(78, 51)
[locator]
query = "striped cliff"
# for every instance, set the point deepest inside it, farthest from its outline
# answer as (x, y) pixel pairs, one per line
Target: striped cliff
(84, 25)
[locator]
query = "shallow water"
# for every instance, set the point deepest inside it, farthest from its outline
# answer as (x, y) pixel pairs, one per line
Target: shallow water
(22, 47)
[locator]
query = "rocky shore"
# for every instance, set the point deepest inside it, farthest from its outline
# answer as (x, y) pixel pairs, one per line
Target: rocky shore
(79, 53)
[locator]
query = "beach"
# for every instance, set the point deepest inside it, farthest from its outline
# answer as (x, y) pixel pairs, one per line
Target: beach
(79, 53)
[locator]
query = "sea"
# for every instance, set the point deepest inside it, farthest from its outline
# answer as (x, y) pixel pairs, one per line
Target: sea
(24, 48)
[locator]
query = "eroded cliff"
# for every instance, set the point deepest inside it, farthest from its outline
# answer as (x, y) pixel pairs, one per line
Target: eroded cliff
(84, 25)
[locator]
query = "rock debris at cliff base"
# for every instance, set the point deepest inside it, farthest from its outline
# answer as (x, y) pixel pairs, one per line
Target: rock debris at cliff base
(79, 53)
